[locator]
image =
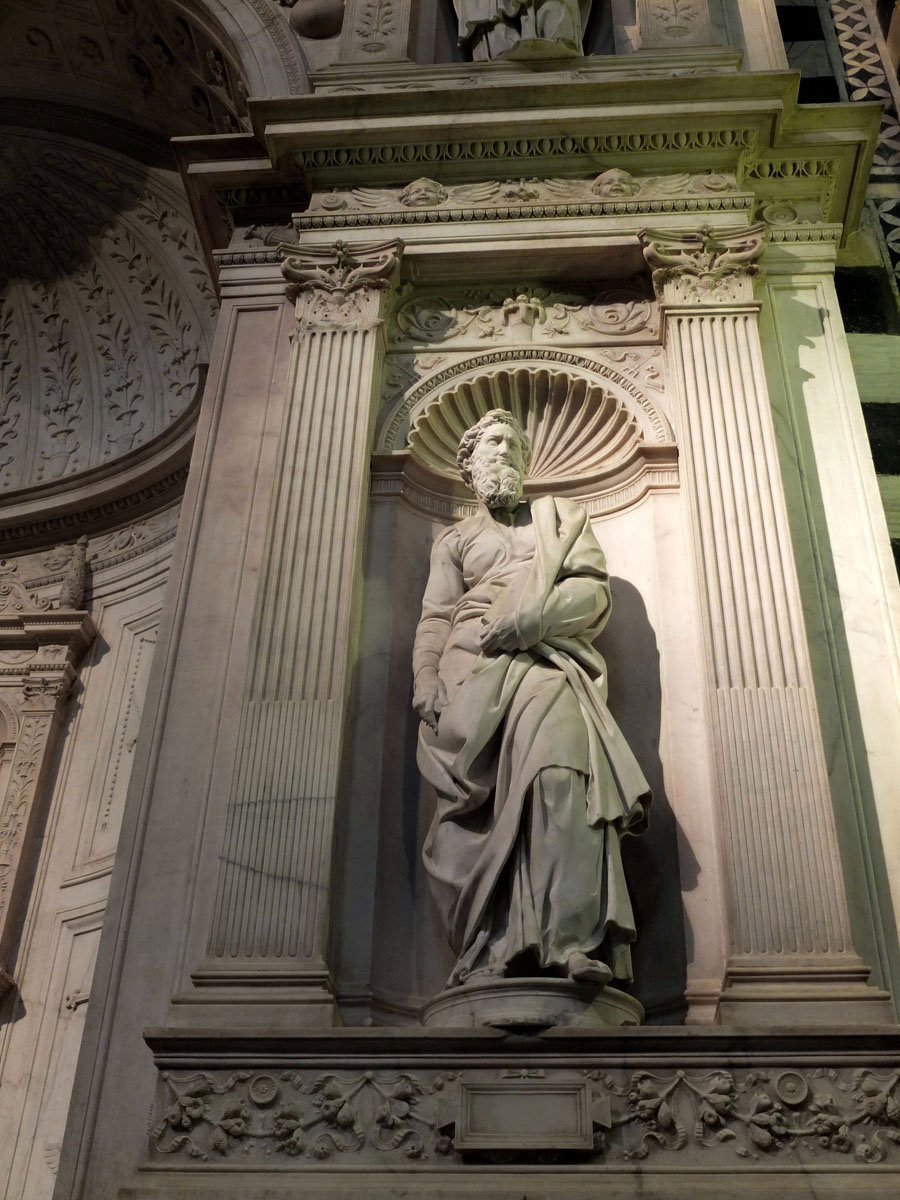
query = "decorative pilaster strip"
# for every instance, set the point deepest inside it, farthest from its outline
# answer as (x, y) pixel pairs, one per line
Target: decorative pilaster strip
(790, 937)
(378, 31)
(40, 647)
(271, 912)
(667, 24)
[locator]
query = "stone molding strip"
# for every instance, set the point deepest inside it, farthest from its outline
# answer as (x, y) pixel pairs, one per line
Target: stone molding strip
(522, 212)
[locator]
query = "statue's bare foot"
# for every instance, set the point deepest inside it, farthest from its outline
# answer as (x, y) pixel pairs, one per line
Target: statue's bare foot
(588, 970)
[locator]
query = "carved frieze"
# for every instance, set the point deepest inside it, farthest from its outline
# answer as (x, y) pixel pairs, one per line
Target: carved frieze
(522, 313)
(759, 1117)
(15, 597)
(613, 191)
(536, 146)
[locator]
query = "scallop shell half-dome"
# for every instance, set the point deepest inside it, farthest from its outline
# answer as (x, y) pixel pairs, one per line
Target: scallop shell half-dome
(578, 428)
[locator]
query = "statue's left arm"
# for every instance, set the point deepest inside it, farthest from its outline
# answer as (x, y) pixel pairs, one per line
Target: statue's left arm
(573, 602)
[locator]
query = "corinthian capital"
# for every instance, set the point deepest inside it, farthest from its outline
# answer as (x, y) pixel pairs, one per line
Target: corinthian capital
(339, 285)
(703, 267)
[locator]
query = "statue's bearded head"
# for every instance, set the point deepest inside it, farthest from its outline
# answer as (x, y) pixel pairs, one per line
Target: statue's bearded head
(493, 459)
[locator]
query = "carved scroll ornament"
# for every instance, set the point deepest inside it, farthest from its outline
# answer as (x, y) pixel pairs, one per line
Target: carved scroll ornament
(750, 1118)
(337, 284)
(703, 266)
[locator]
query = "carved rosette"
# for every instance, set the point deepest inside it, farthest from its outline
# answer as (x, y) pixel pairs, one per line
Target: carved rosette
(702, 266)
(41, 644)
(336, 287)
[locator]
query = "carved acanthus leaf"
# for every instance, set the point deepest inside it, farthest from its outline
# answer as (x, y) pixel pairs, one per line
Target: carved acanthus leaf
(15, 597)
(755, 1118)
(337, 281)
(309, 1118)
(703, 266)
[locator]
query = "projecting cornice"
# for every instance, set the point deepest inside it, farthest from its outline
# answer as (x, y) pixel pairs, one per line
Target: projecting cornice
(557, 128)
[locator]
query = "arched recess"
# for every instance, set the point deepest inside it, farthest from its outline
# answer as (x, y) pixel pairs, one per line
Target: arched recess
(106, 318)
(596, 435)
(603, 440)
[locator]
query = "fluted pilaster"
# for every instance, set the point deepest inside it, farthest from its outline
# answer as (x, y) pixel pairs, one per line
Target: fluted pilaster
(42, 640)
(790, 941)
(270, 921)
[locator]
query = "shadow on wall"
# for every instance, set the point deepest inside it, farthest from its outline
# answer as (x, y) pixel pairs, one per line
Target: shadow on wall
(53, 217)
(655, 876)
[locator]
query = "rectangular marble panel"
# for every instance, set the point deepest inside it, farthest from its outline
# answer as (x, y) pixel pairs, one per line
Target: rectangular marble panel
(524, 1114)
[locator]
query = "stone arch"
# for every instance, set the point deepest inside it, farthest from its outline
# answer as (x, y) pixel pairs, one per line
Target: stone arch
(9, 727)
(266, 46)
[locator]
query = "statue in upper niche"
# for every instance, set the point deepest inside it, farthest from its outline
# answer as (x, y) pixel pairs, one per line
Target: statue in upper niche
(535, 783)
(522, 28)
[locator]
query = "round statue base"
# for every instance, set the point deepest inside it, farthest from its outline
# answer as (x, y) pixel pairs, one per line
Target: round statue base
(531, 1004)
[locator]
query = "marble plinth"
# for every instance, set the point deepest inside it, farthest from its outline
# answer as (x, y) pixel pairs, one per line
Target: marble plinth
(531, 1004)
(657, 1112)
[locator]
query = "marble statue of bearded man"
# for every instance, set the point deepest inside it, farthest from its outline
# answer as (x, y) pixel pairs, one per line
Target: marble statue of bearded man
(535, 783)
(494, 27)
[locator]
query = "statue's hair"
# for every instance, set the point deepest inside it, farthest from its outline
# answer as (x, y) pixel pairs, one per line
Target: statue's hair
(469, 440)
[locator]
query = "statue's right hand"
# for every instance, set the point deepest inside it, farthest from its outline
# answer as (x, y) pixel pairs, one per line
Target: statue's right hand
(429, 698)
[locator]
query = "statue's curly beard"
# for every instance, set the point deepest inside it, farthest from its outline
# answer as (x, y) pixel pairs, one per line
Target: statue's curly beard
(498, 485)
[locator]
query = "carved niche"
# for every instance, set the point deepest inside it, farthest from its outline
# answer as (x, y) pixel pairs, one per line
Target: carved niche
(597, 434)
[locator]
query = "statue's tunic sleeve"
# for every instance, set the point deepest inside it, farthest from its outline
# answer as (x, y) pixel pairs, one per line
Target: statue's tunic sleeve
(444, 589)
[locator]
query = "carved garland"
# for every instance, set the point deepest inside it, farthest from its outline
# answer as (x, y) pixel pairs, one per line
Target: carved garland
(800, 1117)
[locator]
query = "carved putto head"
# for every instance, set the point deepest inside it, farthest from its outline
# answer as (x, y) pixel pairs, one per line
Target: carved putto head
(423, 193)
(615, 184)
(493, 458)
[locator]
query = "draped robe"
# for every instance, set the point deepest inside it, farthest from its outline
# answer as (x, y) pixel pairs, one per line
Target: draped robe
(497, 25)
(534, 781)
